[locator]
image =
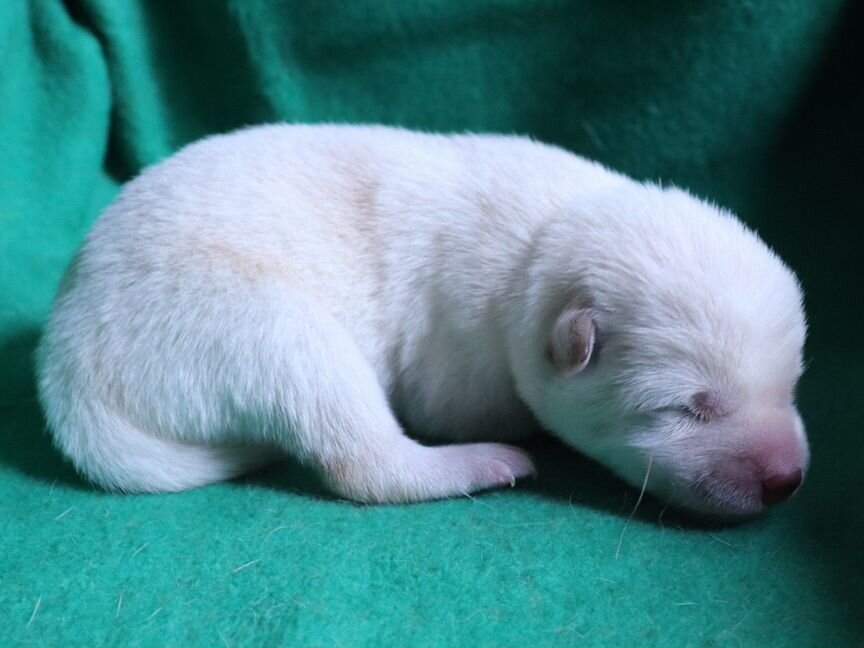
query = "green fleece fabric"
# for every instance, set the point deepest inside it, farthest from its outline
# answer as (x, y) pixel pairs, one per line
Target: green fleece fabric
(754, 104)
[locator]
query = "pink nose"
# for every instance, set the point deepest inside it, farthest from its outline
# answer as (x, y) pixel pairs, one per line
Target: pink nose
(777, 488)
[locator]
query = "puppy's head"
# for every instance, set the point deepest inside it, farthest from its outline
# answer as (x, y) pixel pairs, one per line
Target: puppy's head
(677, 342)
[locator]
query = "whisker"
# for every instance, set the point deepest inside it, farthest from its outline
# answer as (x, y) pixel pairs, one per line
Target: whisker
(638, 502)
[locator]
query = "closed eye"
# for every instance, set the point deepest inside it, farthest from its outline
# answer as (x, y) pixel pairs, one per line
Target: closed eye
(698, 415)
(701, 408)
(682, 411)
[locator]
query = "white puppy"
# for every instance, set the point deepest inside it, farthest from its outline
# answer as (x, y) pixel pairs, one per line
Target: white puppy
(310, 289)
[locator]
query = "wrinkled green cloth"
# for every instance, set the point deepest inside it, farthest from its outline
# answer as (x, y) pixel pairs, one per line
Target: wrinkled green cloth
(755, 105)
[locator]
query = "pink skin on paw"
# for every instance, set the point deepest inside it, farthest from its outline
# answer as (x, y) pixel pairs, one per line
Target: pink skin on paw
(493, 464)
(488, 465)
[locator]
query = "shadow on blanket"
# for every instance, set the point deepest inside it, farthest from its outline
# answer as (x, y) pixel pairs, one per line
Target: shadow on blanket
(24, 442)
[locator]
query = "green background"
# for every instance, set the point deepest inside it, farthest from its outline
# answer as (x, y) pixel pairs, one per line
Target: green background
(756, 105)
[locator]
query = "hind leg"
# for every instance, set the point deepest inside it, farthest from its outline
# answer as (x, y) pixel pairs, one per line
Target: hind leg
(341, 423)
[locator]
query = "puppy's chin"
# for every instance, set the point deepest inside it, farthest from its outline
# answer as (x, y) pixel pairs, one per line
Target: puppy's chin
(713, 496)
(719, 503)
(698, 500)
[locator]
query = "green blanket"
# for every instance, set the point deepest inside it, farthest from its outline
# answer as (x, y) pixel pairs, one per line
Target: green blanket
(755, 105)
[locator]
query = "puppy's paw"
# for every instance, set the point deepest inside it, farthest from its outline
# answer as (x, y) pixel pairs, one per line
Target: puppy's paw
(428, 473)
(491, 465)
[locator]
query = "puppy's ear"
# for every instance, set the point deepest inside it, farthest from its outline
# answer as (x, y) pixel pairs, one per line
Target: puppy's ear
(572, 340)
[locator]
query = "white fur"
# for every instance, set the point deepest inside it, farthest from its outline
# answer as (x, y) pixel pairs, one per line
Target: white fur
(303, 289)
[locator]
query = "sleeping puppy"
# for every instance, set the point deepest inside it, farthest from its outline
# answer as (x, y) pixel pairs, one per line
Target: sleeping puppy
(311, 290)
